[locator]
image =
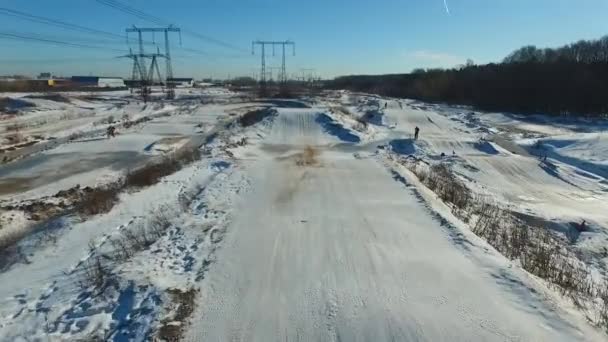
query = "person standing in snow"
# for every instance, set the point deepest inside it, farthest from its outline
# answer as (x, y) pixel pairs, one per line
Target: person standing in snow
(385, 105)
(111, 132)
(416, 132)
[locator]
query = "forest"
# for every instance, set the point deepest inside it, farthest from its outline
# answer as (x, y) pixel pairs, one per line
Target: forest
(568, 80)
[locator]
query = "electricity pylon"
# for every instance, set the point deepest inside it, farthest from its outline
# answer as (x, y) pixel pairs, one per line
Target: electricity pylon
(283, 74)
(141, 74)
(168, 67)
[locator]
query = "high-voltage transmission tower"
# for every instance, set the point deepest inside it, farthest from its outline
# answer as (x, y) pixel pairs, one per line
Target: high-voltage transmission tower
(141, 74)
(139, 60)
(283, 73)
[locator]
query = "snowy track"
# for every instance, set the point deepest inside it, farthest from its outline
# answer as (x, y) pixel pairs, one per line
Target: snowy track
(336, 250)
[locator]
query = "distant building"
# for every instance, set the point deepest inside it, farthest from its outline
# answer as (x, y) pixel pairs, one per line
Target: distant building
(98, 82)
(45, 76)
(181, 82)
(13, 77)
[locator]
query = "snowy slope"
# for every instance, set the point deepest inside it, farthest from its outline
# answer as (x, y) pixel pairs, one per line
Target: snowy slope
(299, 228)
(508, 171)
(338, 250)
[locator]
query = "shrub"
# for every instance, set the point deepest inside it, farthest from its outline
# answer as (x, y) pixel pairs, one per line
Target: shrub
(131, 241)
(96, 274)
(182, 306)
(152, 173)
(98, 201)
(538, 251)
(252, 117)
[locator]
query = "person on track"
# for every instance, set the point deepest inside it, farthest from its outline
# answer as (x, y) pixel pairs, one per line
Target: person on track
(416, 132)
(111, 132)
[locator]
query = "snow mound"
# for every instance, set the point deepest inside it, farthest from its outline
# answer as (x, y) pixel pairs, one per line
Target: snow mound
(485, 147)
(333, 128)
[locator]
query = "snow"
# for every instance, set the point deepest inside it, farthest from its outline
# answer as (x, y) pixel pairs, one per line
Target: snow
(301, 227)
(49, 277)
(92, 157)
(339, 251)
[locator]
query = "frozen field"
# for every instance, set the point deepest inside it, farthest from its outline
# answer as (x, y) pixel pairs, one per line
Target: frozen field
(293, 225)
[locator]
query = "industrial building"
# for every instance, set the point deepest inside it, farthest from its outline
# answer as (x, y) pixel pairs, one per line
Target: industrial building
(98, 81)
(181, 82)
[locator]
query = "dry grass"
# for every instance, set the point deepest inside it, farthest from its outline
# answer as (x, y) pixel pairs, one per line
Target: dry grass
(94, 201)
(98, 201)
(51, 97)
(96, 275)
(9, 251)
(539, 252)
(97, 272)
(131, 241)
(252, 117)
(15, 138)
(16, 127)
(152, 173)
(182, 306)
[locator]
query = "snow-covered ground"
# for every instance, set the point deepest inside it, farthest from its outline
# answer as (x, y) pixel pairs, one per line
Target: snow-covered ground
(297, 228)
(338, 251)
(59, 162)
(555, 169)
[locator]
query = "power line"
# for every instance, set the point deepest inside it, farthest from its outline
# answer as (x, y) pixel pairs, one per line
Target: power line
(133, 11)
(83, 29)
(13, 36)
(79, 28)
(215, 41)
(158, 21)
(68, 38)
(55, 22)
(55, 60)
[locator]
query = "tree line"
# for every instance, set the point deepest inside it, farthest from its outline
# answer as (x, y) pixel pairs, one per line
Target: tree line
(568, 80)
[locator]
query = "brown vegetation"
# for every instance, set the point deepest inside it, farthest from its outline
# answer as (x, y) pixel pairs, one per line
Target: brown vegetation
(50, 96)
(153, 172)
(96, 274)
(539, 252)
(98, 201)
(93, 201)
(182, 306)
(131, 241)
(252, 117)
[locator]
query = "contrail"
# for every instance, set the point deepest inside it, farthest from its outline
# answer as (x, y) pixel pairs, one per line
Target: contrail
(447, 9)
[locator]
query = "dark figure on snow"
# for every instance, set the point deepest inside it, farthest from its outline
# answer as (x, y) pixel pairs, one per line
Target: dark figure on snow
(111, 132)
(583, 226)
(416, 132)
(385, 105)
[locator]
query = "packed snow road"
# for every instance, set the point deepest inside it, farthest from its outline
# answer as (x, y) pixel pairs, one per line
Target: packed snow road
(329, 247)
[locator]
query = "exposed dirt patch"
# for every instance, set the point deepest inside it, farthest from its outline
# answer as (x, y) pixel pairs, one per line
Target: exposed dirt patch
(308, 157)
(181, 307)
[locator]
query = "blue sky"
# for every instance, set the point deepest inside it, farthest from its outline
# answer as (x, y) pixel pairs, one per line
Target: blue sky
(335, 37)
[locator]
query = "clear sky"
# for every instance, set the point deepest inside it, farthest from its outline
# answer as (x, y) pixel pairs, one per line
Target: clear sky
(335, 37)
